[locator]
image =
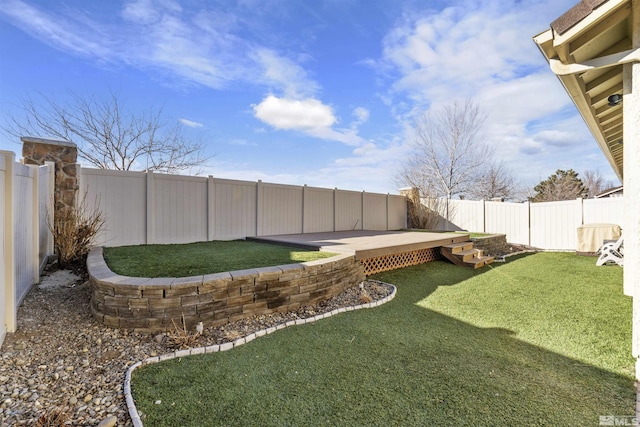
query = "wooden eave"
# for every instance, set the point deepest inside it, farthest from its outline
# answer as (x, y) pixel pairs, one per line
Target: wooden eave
(600, 28)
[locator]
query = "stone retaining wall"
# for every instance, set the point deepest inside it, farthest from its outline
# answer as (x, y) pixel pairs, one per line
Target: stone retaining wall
(214, 299)
(491, 245)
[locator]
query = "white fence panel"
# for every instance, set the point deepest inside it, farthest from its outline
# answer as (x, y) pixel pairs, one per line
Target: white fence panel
(179, 208)
(465, 215)
(25, 192)
(608, 210)
(318, 210)
(234, 209)
(151, 208)
(374, 211)
(280, 209)
(24, 233)
(554, 224)
(549, 225)
(397, 212)
(511, 219)
(5, 241)
(348, 210)
(122, 198)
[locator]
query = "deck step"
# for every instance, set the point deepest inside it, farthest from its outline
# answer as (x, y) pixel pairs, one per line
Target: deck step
(459, 247)
(480, 262)
(463, 254)
(470, 254)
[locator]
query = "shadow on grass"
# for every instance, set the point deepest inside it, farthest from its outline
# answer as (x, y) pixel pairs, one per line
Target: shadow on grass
(399, 364)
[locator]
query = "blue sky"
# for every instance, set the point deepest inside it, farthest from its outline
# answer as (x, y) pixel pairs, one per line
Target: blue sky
(320, 92)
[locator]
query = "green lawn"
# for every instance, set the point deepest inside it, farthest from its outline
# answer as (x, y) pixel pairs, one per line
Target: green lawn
(543, 339)
(202, 258)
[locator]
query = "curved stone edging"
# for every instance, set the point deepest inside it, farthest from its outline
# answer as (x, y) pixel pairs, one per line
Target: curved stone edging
(131, 406)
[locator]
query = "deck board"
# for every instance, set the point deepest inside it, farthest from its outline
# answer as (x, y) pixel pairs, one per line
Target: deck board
(366, 244)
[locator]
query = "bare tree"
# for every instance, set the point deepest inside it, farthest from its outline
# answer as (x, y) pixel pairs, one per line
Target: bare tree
(108, 135)
(595, 183)
(449, 153)
(495, 182)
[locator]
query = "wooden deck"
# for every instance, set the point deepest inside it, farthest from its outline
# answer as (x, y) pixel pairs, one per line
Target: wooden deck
(377, 250)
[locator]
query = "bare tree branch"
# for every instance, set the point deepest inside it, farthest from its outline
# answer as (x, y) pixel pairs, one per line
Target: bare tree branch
(595, 183)
(451, 158)
(108, 135)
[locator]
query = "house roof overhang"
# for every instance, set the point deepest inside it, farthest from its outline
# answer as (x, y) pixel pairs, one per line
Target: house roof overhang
(586, 48)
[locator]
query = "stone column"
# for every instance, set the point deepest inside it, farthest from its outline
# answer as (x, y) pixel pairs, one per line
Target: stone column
(64, 154)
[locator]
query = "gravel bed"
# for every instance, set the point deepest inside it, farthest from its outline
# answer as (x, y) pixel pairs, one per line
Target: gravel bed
(60, 358)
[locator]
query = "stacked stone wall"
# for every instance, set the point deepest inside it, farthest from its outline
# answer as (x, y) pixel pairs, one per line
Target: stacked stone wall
(64, 154)
(214, 299)
(492, 245)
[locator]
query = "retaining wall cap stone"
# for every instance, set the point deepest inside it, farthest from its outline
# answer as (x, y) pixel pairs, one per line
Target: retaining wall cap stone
(288, 268)
(269, 271)
(244, 274)
(134, 281)
(181, 282)
(208, 278)
(323, 261)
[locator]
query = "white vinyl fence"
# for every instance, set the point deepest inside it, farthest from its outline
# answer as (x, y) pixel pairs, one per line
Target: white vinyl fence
(26, 195)
(548, 225)
(144, 208)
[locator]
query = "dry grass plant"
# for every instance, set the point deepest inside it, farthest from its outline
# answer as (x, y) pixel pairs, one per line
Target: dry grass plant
(74, 231)
(180, 338)
(53, 417)
(365, 297)
(425, 213)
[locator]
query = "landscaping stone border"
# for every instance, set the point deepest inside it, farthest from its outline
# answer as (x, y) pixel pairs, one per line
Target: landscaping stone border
(154, 305)
(131, 406)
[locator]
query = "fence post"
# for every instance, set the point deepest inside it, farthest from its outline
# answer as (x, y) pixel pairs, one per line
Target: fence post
(304, 193)
(48, 203)
(581, 201)
(9, 245)
(35, 225)
(211, 205)
(362, 211)
(151, 216)
(259, 208)
(387, 227)
(484, 216)
(528, 223)
(335, 207)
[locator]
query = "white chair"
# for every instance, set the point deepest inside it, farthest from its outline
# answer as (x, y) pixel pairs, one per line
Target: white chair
(612, 252)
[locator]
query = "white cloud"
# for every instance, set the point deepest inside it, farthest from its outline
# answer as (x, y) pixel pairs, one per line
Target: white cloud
(197, 46)
(361, 114)
(284, 75)
(190, 123)
(484, 51)
(140, 12)
(309, 116)
(283, 113)
(76, 34)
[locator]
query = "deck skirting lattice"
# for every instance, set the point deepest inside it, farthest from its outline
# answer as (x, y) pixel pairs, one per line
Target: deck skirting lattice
(403, 259)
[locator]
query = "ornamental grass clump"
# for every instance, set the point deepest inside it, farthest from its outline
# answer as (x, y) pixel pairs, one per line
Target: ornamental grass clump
(74, 231)
(181, 338)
